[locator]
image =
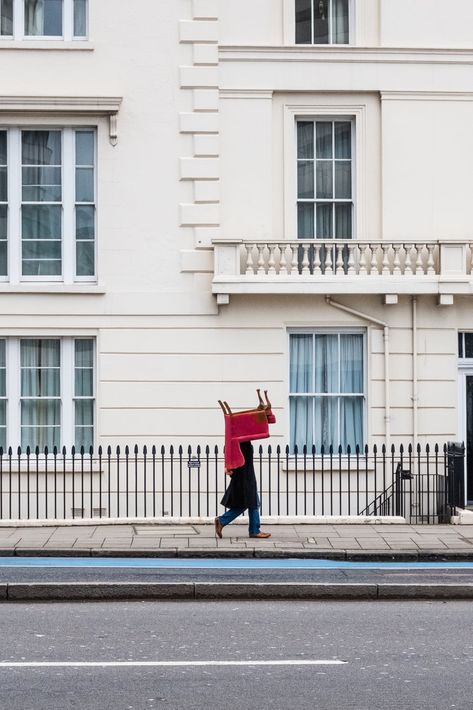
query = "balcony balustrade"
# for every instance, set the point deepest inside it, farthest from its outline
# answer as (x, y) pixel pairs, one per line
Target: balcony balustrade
(348, 266)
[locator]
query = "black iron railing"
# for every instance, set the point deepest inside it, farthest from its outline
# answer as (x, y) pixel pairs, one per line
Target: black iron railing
(187, 482)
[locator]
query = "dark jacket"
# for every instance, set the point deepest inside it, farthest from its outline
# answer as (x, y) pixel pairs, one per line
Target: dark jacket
(242, 491)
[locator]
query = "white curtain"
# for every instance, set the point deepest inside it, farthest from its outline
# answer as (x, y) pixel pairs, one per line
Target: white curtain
(40, 393)
(340, 20)
(43, 18)
(34, 17)
(80, 18)
(41, 223)
(352, 382)
(326, 385)
(84, 389)
(301, 381)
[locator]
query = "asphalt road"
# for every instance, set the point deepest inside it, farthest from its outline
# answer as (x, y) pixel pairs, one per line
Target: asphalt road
(396, 656)
(399, 573)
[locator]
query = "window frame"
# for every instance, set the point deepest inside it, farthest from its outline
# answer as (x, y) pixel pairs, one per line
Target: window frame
(333, 200)
(67, 25)
(314, 330)
(353, 112)
(68, 275)
(67, 379)
(292, 29)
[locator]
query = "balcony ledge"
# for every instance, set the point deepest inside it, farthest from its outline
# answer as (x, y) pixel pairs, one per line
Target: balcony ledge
(342, 267)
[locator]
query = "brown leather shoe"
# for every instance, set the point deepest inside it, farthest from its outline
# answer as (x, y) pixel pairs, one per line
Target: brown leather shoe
(218, 528)
(261, 535)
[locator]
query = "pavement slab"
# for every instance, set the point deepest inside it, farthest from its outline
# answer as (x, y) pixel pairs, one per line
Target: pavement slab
(200, 540)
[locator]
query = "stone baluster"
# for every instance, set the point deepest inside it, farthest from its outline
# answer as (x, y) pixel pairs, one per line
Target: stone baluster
(339, 260)
(271, 260)
(397, 260)
(294, 263)
(419, 265)
(317, 262)
(430, 259)
(261, 260)
(351, 258)
(328, 259)
(250, 266)
(408, 261)
(374, 260)
(283, 264)
(305, 260)
(386, 270)
(363, 270)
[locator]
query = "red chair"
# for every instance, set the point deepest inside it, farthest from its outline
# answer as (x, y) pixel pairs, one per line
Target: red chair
(245, 426)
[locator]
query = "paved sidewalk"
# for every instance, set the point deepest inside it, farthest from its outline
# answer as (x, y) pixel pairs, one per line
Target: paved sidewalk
(332, 541)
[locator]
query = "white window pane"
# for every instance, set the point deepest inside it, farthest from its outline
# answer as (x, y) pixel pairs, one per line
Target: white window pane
(85, 222)
(301, 422)
(324, 142)
(41, 221)
(43, 18)
(324, 179)
(340, 22)
(3, 147)
(3, 424)
(321, 21)
(343, 140)
(302, 363)
(85, 259)
(84, 436)
(343, 221)
(305, 139)
(3, 184)
(305, 179)
(41, 147)
(326, 423)
(303, 21)
(351, 422)
(343, 180)
(326, 363)
(45, 267)
(42, 184)
(40, 353)
(84, 411)
(85, 148)
(305, 220)
(85, 185)
(84, 353)
(6, 17)
(351, 363)
(324, 221)
(84, 382)
(80, 18)
(40, 413)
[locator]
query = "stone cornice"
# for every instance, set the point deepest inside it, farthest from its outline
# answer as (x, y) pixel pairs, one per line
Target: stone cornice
(65, 106)
(347, 54)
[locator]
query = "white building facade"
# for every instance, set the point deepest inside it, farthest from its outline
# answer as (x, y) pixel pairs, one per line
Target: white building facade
(202, 197)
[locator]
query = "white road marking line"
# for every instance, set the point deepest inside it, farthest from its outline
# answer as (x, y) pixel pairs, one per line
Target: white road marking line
(163, 664)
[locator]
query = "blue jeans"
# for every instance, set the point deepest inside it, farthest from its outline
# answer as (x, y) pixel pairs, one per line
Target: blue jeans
(253, 518)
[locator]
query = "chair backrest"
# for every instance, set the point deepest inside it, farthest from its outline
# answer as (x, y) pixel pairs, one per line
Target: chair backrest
(245, 426)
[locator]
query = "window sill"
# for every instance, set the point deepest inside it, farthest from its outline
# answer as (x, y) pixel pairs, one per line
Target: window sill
(363, 467)
(44, 44)
(49, 288)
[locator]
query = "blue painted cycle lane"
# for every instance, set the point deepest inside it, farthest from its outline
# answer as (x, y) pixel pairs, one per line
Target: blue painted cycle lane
(221, 564)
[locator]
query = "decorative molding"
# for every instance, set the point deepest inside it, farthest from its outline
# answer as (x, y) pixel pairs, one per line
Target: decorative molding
(65, 106)
(246, 94)
(346, 54)
(427, 96)
(41, 45)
